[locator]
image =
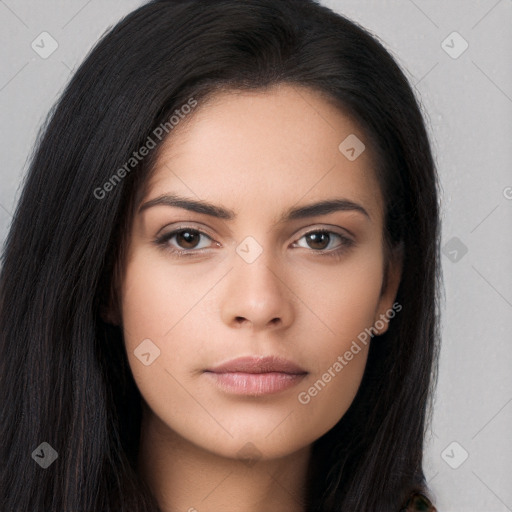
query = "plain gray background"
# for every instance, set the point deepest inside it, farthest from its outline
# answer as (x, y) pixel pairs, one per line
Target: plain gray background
(467, 101)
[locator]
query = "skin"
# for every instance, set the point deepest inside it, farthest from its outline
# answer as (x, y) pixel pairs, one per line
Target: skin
(258, 154)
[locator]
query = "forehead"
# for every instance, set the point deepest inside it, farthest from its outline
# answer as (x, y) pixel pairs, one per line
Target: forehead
(267, 149)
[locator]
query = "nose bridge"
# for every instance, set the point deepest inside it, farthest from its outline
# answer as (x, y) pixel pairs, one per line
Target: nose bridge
(257, 292)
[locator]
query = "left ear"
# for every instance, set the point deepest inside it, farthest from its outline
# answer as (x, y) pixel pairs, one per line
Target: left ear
(390, 284)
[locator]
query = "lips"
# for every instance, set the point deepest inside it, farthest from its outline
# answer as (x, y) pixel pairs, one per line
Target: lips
(256, 376)
(252, 364)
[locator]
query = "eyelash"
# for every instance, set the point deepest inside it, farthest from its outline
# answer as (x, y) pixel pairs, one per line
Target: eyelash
(163, 240)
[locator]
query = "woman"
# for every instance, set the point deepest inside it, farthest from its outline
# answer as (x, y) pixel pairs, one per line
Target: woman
(177, 334)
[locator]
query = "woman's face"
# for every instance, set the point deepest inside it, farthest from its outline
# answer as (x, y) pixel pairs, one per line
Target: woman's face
(245, 278)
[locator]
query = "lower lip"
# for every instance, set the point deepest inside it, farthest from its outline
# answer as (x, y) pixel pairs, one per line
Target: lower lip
(255, 383)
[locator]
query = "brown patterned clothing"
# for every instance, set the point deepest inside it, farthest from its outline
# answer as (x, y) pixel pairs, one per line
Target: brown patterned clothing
(418, 502)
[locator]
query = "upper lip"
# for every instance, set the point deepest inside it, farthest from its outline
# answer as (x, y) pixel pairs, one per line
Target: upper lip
(253, 364)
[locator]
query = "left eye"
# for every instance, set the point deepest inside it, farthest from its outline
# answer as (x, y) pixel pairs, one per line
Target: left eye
(322, 236)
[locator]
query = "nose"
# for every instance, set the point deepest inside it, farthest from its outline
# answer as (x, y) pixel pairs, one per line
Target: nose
(257, 295)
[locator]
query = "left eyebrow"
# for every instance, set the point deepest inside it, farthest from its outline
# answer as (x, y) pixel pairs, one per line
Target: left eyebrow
(323, 208)
(311, 210)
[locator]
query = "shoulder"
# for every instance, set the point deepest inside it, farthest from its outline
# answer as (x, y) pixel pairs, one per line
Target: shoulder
(418, 502)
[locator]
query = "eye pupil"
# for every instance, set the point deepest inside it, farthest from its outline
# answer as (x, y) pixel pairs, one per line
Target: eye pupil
(188, 237)
(317, 238)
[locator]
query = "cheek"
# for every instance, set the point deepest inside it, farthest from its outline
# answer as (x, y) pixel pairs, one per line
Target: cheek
(343, 299)
(344, 308)
(157, 298)
(162, 304)
(159, 305)
(350, 303)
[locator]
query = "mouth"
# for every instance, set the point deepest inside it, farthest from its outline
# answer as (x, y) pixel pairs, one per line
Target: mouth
(256, 375)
